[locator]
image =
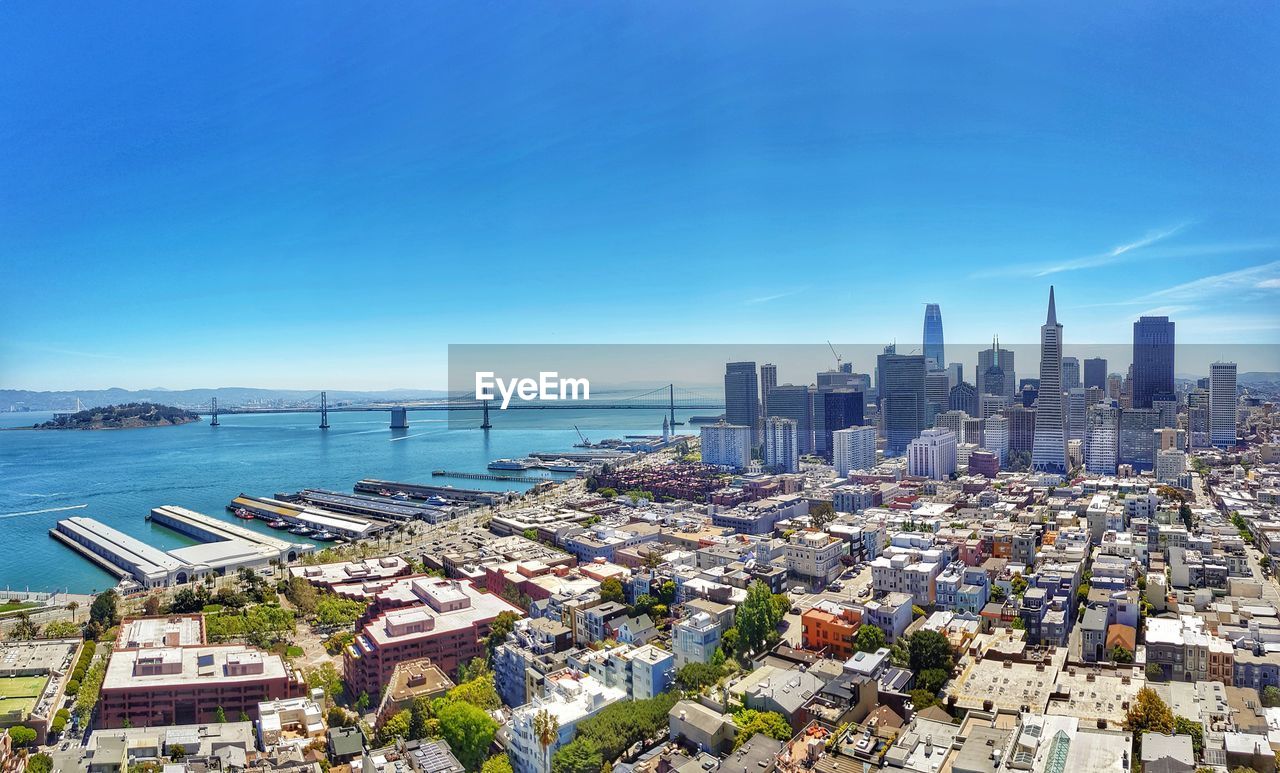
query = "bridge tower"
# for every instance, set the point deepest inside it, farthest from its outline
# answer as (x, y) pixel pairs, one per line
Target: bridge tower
(213, 413)
(399, 418)
(671, 403)
(485, 423)
(324, 410)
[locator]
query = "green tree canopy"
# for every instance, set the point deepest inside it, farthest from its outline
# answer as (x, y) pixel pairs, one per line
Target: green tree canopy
(1148, 713)
(929, 649)
(398, 726)
(611, 590)
(468, 731)
(21, 735)
(870, 638)
(499, 763)
(757, 619)
(40, 763)
(581, 755)
(770, 723)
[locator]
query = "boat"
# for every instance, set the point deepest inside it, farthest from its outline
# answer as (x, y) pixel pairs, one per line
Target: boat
(401, 495)
(243, 514)
(512, 464)
(324, 536)
(278, 524)
(563, 465)
(301, 531)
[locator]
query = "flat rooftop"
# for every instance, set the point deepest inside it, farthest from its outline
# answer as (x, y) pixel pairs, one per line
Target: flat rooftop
(139, 555)
(1008, 685)
(225, 529)
(170, 631)
(18, 658)
(194, 665)
(351, 571)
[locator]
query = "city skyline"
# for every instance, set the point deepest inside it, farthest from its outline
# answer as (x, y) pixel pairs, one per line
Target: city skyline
(243, 215)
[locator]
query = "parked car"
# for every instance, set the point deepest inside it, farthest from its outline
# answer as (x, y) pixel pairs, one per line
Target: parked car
(835, 585)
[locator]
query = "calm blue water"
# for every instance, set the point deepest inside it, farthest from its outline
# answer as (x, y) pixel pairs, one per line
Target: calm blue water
(118, 476)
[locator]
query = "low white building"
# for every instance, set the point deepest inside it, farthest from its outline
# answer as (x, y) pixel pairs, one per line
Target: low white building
(570, 698)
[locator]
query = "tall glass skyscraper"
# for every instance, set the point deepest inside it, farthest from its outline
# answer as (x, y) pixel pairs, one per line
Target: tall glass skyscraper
(742, 397)
(1152, 361)
(933, 348)
(1050, 451)
(1222, 404)
(1095, 373)
(902, 400)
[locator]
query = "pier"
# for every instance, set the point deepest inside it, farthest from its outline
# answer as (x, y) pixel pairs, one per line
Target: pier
(425, 491)
(316, 519)
(212, 531)
(378, 507)
(120, 554)
(489, 476)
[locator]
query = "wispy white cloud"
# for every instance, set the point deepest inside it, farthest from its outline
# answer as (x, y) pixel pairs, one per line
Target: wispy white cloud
(1263, 277)
(777, 296)
(1107, 257)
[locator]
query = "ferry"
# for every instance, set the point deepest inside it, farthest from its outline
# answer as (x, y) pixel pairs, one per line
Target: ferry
(243, 514)
(563, 465)
(324, 536)
(301, 531)
(512, 464)
(278, 524)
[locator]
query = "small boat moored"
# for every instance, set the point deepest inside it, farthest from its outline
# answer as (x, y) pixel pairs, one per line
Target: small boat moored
(243, 514)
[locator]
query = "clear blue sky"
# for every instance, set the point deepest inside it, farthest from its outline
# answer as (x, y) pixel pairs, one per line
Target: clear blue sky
(326, 194)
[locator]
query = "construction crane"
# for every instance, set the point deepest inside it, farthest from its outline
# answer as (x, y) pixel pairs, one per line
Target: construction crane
(585, 443)
(837, 354)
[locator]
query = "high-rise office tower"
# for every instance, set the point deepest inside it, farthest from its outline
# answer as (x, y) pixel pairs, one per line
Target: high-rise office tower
(1222, 404)
(955, 374)
(768, 380)
(1050, 451)
(937, 390)
(780, 451)
(1137, 438)
(1022, 428)
(1100, 439)
(989, 405)
(828, 381)
(902, 400)
(1198, 417)
(1095, 373)
(933, 348)
(1077, 402)
(932, 455)
(963, 397)
(742, 397)
(995, 437)
(954, 421)
(1115, 384)
(1070, 373)
(841, 409)
(1001, 359)
(853, 449)
(795, 402)
(1152, 361)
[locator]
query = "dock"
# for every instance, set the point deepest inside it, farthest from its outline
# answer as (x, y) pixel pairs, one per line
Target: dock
(314, 518)
(489, 476)
(210, 530)
(377, 507)
(120, 554)
(426, 491)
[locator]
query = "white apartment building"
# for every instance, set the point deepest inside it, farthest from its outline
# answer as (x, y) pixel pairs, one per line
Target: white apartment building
(1101, 441)
(995, 437)
(570, 698)
(780, 450)
(853, 449)
(726, 445)
(814, 556)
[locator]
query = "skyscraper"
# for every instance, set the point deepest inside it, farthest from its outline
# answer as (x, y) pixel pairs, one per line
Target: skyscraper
(902, 400)
(1070, 373)
(1077, 403)
(828, 381)
(1095, 373)
(1152, 361)
(1050, 451)
(768, 380)
(853, 449)
(1137, 438)
(932, 455)
(1022, 429)
(995, 437)
(1222, 404)
(841, 409)
(726, 445)
(742, 397)
(1100, 439)
(963, 397)
(1002, 361)
(780, 451)
(933, 348)
(795, 402)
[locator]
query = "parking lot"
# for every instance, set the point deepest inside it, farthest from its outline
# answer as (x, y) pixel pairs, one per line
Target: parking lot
(849, 592)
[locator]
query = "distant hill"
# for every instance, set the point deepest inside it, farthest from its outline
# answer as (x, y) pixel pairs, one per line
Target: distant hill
(128, 416)
(196, 399)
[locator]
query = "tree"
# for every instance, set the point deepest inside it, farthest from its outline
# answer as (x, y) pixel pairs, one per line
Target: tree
(923, 699)
(24, 629)
(821, 514)
(62, 629)
(362, 703)
(931, 680)
(770, 723)
(930, 649)
(694, 677)
(1019, 585)
(499, 630)
(1017, 624)
(729, 640)
(757, 619)
(870, 638)
(1148, 713)
(177, 752)
(1271, 696)
(546, 728)
(998, 594)
(105, 609)
(644, 605)
(499, 763)
(1184, 726)
(302, 595)
(1121, 654)
(611, 590)
(40, 763)
(334, 611)
(21, 735)
(479, 692)
(327, 678)
(468, 731)
(338, 717)
(1154, 672)
(582, 755)
(667, 592)
(219, 715)
(396, 727)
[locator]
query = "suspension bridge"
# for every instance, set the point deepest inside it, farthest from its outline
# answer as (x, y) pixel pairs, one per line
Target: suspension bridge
(668, 397)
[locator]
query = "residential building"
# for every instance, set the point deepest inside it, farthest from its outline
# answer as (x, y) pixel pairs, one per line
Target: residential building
(726, 445)
(932, 454)
(814, 556)
(853, 448)
(695, 639)
(1101, 441)
(781, 452)
(571, 697)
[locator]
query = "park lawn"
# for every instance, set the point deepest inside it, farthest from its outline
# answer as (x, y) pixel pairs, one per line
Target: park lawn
(18, 694)
(14, 607)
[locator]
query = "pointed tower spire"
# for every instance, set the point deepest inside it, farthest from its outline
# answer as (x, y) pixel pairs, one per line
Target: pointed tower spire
(1053, 314)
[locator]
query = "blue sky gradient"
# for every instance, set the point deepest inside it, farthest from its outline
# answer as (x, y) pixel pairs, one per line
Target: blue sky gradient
(323, 195)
